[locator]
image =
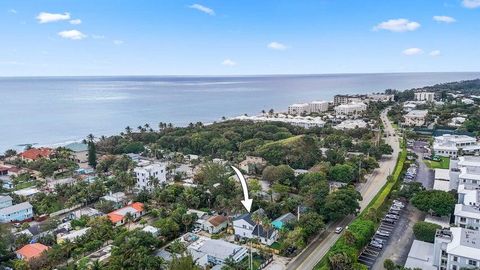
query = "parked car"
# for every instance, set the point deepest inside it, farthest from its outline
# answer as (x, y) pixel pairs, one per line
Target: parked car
(376, 245)
(378, 240)
(391, 216)
(389, 220)
(338, 230)
(382, 233)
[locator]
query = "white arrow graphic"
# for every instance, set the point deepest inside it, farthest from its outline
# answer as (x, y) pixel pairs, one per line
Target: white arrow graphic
(246, 201)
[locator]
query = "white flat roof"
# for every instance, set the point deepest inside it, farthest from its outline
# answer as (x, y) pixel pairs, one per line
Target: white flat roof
(465, 243)
(442, 174)
(441, 185)
(420, 256)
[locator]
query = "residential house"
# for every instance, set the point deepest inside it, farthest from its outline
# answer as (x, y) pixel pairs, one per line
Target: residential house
(146, 175)
(85, 211)
(415, 118)
(5, 201)
(79, 152)
(150, 229)
(245, 227)
(71, 236)
(136, 210)
(36, 153)
(252, 164)
(27, 193)
(118, 199)
(215, 224)
(31, 251)
(17, 212)
(283, 220)
(210, 252)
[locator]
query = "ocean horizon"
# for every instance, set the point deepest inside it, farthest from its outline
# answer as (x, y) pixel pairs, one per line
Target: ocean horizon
(56, 110)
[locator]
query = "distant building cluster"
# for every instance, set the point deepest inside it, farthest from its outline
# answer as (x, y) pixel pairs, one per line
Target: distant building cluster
(308, 108)
(300, 121)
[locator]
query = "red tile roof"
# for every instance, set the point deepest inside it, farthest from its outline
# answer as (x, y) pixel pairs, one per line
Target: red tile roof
(119, 214)
(36, 153)
(32, 250)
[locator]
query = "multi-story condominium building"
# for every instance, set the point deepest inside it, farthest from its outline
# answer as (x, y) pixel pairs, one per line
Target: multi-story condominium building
(464, 171)
(415, 118)
(346, 99)
(456, 248)
(17, 212)
(450, 145)
(318, 106)
(381, 97)
(5, 201)
(425, 96)
(299, 108)
(350, 110)
(145, 175)
(467, 211)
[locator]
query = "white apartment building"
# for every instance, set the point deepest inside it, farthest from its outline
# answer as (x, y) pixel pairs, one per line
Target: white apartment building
(467, 211)
(425, 96)
(415, 118)
(300, 121)
(346, 99)
(449, 145)
(299, 108)
(318, 106)
(381, 97)
(144, 174)
(465, 171)
(351, 124)
(350, 110)
(456, 248)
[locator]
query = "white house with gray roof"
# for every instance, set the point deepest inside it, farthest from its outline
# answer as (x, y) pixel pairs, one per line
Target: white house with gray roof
(211, 252)
(5, 201)
(17, 212)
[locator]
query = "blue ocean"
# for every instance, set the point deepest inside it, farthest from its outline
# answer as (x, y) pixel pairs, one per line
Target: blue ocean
(56, 110)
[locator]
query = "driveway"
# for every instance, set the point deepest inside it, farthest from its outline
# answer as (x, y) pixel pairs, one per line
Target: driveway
(425, 175)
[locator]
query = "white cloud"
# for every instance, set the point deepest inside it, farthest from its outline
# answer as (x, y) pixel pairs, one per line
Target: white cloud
(471, 3)
(76, 21)
(229, 62)
(435, 53)
(444, 19)
(45, 17)
(203, 9)
(118, 42)
(412, 51)
(397, 25)
(277, 46)
(72, 34)
(13, 11)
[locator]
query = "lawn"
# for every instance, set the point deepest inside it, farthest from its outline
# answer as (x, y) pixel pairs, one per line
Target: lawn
(442, 164)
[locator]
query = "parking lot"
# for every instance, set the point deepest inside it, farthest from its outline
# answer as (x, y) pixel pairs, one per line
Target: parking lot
(424, 175)
(382, 236)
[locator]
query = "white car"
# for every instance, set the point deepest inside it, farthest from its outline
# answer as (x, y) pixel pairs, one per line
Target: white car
(338, 230)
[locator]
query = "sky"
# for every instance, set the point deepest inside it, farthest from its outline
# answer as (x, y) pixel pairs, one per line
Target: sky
(247, 37)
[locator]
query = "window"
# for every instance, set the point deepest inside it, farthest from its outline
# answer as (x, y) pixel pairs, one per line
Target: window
(455, 258)
(462, 219)
(472, 262)
(454, 267)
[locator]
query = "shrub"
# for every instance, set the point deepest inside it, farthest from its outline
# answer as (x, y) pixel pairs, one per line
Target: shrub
(425, 231)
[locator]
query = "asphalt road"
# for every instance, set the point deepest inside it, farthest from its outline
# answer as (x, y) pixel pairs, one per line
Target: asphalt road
(320, 246)
(425, 175)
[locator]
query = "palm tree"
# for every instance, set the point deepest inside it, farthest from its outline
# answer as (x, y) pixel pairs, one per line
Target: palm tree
(128, 219)
(186, 220)
(263, 111)
(267, 225)
(271, 111)
(146, 126)
(90, 137)
(128, 130)
(257, 218)
(153, 181)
